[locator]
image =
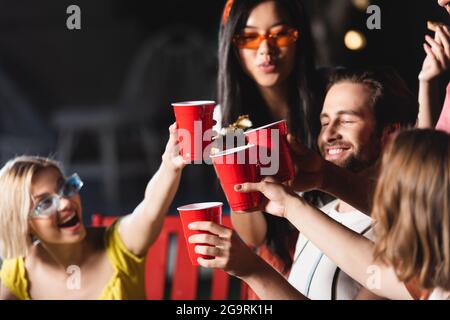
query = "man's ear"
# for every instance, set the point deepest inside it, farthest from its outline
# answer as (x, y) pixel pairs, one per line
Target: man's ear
(389, 132)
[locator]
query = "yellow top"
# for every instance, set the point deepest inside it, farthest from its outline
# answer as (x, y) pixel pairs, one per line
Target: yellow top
(127, 282)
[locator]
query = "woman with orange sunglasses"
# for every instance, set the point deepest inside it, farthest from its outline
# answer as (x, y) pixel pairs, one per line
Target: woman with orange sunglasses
(267, 71)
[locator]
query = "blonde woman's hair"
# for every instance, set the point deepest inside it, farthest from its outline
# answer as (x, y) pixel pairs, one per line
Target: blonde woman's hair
(412, 208)
(16, 203)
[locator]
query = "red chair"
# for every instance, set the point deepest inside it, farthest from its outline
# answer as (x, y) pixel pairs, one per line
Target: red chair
(185, 276)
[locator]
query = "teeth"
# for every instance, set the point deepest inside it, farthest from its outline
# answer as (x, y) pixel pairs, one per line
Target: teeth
(335, 151)
(67, 219)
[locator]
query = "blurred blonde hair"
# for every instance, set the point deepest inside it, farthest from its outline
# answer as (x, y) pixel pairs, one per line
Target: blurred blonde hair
(15, 202)
(412, 208)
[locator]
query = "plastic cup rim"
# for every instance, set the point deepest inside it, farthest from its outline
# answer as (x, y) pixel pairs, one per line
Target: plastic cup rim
(231, 151)
(265, 127)
(199, 103)
(200, 206)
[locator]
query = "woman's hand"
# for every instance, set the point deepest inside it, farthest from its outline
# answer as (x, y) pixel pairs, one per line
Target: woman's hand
(437, 60)
(231, 254)
(171, 157)
(277, 195)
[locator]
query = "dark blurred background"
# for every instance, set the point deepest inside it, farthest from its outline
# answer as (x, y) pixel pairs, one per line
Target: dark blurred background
(99, 98)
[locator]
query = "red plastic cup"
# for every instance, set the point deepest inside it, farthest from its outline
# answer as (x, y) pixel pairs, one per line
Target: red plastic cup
(268, 144)
(193, 119)
(235, 166)
(207, 211)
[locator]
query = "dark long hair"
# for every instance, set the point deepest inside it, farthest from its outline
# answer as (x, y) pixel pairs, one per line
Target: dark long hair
(238, 93)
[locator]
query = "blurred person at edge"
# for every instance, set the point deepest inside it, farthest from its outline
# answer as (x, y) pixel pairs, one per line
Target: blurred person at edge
(434, 69)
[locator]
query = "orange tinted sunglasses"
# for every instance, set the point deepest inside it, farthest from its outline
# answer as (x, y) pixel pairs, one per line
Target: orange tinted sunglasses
(252, 40)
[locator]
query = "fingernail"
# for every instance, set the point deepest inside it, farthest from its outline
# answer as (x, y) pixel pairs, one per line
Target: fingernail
(238, 187)
(191, 225)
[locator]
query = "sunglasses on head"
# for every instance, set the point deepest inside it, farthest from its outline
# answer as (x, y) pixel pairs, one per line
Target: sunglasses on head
(252, 39)
(49, 205)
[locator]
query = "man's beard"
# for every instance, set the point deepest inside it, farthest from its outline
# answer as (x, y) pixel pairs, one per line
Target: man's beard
(356, 162)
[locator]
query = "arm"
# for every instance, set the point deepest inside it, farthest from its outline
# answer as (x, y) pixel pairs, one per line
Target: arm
(251, 227)
(268, 284)
(351, 252)
(141, 228)
(428, 104)
(235, 257)
(437, 62)
(355, 253)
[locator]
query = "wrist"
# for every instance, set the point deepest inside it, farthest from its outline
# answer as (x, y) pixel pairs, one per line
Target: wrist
(169, 168)
(293, 204)
(427, 83)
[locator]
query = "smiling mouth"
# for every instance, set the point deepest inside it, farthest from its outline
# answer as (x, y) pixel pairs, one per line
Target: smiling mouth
(70, 221)
(336, 151)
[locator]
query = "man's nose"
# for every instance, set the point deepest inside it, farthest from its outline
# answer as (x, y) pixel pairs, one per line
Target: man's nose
(331, 133)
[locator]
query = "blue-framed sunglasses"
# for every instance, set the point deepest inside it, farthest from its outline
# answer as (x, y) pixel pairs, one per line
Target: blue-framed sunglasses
(49, 205)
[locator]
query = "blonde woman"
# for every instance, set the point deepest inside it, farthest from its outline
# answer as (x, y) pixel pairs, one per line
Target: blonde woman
(50, 254)
(411, 254)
